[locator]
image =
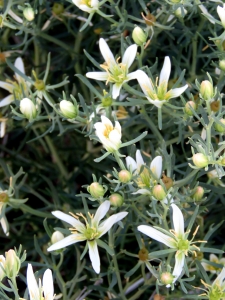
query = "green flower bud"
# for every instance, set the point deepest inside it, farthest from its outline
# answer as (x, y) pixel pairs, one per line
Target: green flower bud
(158, 192)
(180, 13)
(56, 237)
(166, 278)
(28, 109)
(107, 101)
(68, 109)
(12, 264)
(39, 85)
(4, 197)
(199, 193)
(200, 160)
(219, 127)
(116, 200)
(139, 36)
(187, 108)
(96, 190)
(222, 64)
(28, 13)
(206, 89)
(57, 8)
(124, 176)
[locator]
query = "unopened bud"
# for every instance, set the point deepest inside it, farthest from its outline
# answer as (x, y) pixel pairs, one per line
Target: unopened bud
(4, 197)
(206, 90)
(39, 85)
(180, 12)
(12, 264)
(124, 176)
(68, 109)
(28, 109)
(220, 128)
(28, 13)
(96, 190)
(143, 254)
(139, 36)
(57, 8)
(116, 199)
(188, 106)
(200, 160)
(222, 64)
(197, 255)
(56, 237)
(168, 182)
(215, 106)
(107, 101)
(158, 192)
(199, 193)
(166, 278)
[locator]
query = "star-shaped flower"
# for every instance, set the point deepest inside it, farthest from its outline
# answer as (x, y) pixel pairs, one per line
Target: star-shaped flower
(115, 72)
(91, 231)
(158, 94)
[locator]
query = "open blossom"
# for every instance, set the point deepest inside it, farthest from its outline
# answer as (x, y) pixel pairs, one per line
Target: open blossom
(90, 6)
(91, 231)
(115, 72)
(216, 290)
(175, 239)
(213, 258)
(144, 178)
(19, 87)
(221, 13)
(108, 135)
(158, 94)
(36, 290)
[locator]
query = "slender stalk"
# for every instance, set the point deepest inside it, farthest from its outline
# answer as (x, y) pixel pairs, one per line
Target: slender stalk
(152, 126)
(119, 161)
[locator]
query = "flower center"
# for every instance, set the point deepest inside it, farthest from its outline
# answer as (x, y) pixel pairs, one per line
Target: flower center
(107, 130)
(183, 245)
(86, 2)
(216, 293)
(91, 233)
(144, 178)
(19, 89)
(117, 73)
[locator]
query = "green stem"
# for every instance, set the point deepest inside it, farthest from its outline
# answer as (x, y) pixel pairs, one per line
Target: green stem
(153, 128)
(56, 157)
(208, 135)
(13, 280)
(119, 161)
(54, 40)
(184, 181)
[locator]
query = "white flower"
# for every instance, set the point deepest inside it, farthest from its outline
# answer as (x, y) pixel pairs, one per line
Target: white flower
(19, 88)
(91, 231)
(35, 290)
(3, 122)
(221, 13)
(109, 136)
(2, 267)
(28, 108)
(115, 72)
(213, 258)
(89, 6)
(144, 178)
(158, 95)
(175, 239)
(3, 219)
(217, 288)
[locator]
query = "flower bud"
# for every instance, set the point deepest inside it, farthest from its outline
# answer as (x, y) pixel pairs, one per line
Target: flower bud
(96, 190)
(158, 192)
(197, 255)
(139, 36)
(199, 193)
(143, 254)
(180, 12)
(68, 109)
(39, 85)
(4, 197)
(187, 108)
(28, 13)
(215, 106)
(166, 278)
(56, 237)
(200, 160)
(206, 90)
(219, 127)
(116, 200)
(168, 182)
(222, 64)
(12, 264)
(57, 8)
(28, 108)
(2, 267)
(124, 176)
(107, 101)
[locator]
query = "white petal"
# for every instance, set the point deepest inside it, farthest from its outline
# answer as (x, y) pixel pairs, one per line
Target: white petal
(103, 76)
(7, 100)
(32, 284)
(2, 129)
(132, 75)
(14, 16)
(106, 53)
(221, 13)
(176, 92)
(20, 66)
(115, 138)
(179, 264)
(178, 221)
(100, 213)
(106, 122)
(143, 192)
(94, 3)
(157, 235)
(7, 86)
(220, 278)
(157, 103)
(69, 219)
(214, 258)
(69, 240)
(139, 160)
(94, 256)
(156, 166)
(118, 127)
(131, 163)
(144, 82)
(129, 55)
(5, 225)
(48, 285)
(165, 72)
(107, 224)
(116, 90)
